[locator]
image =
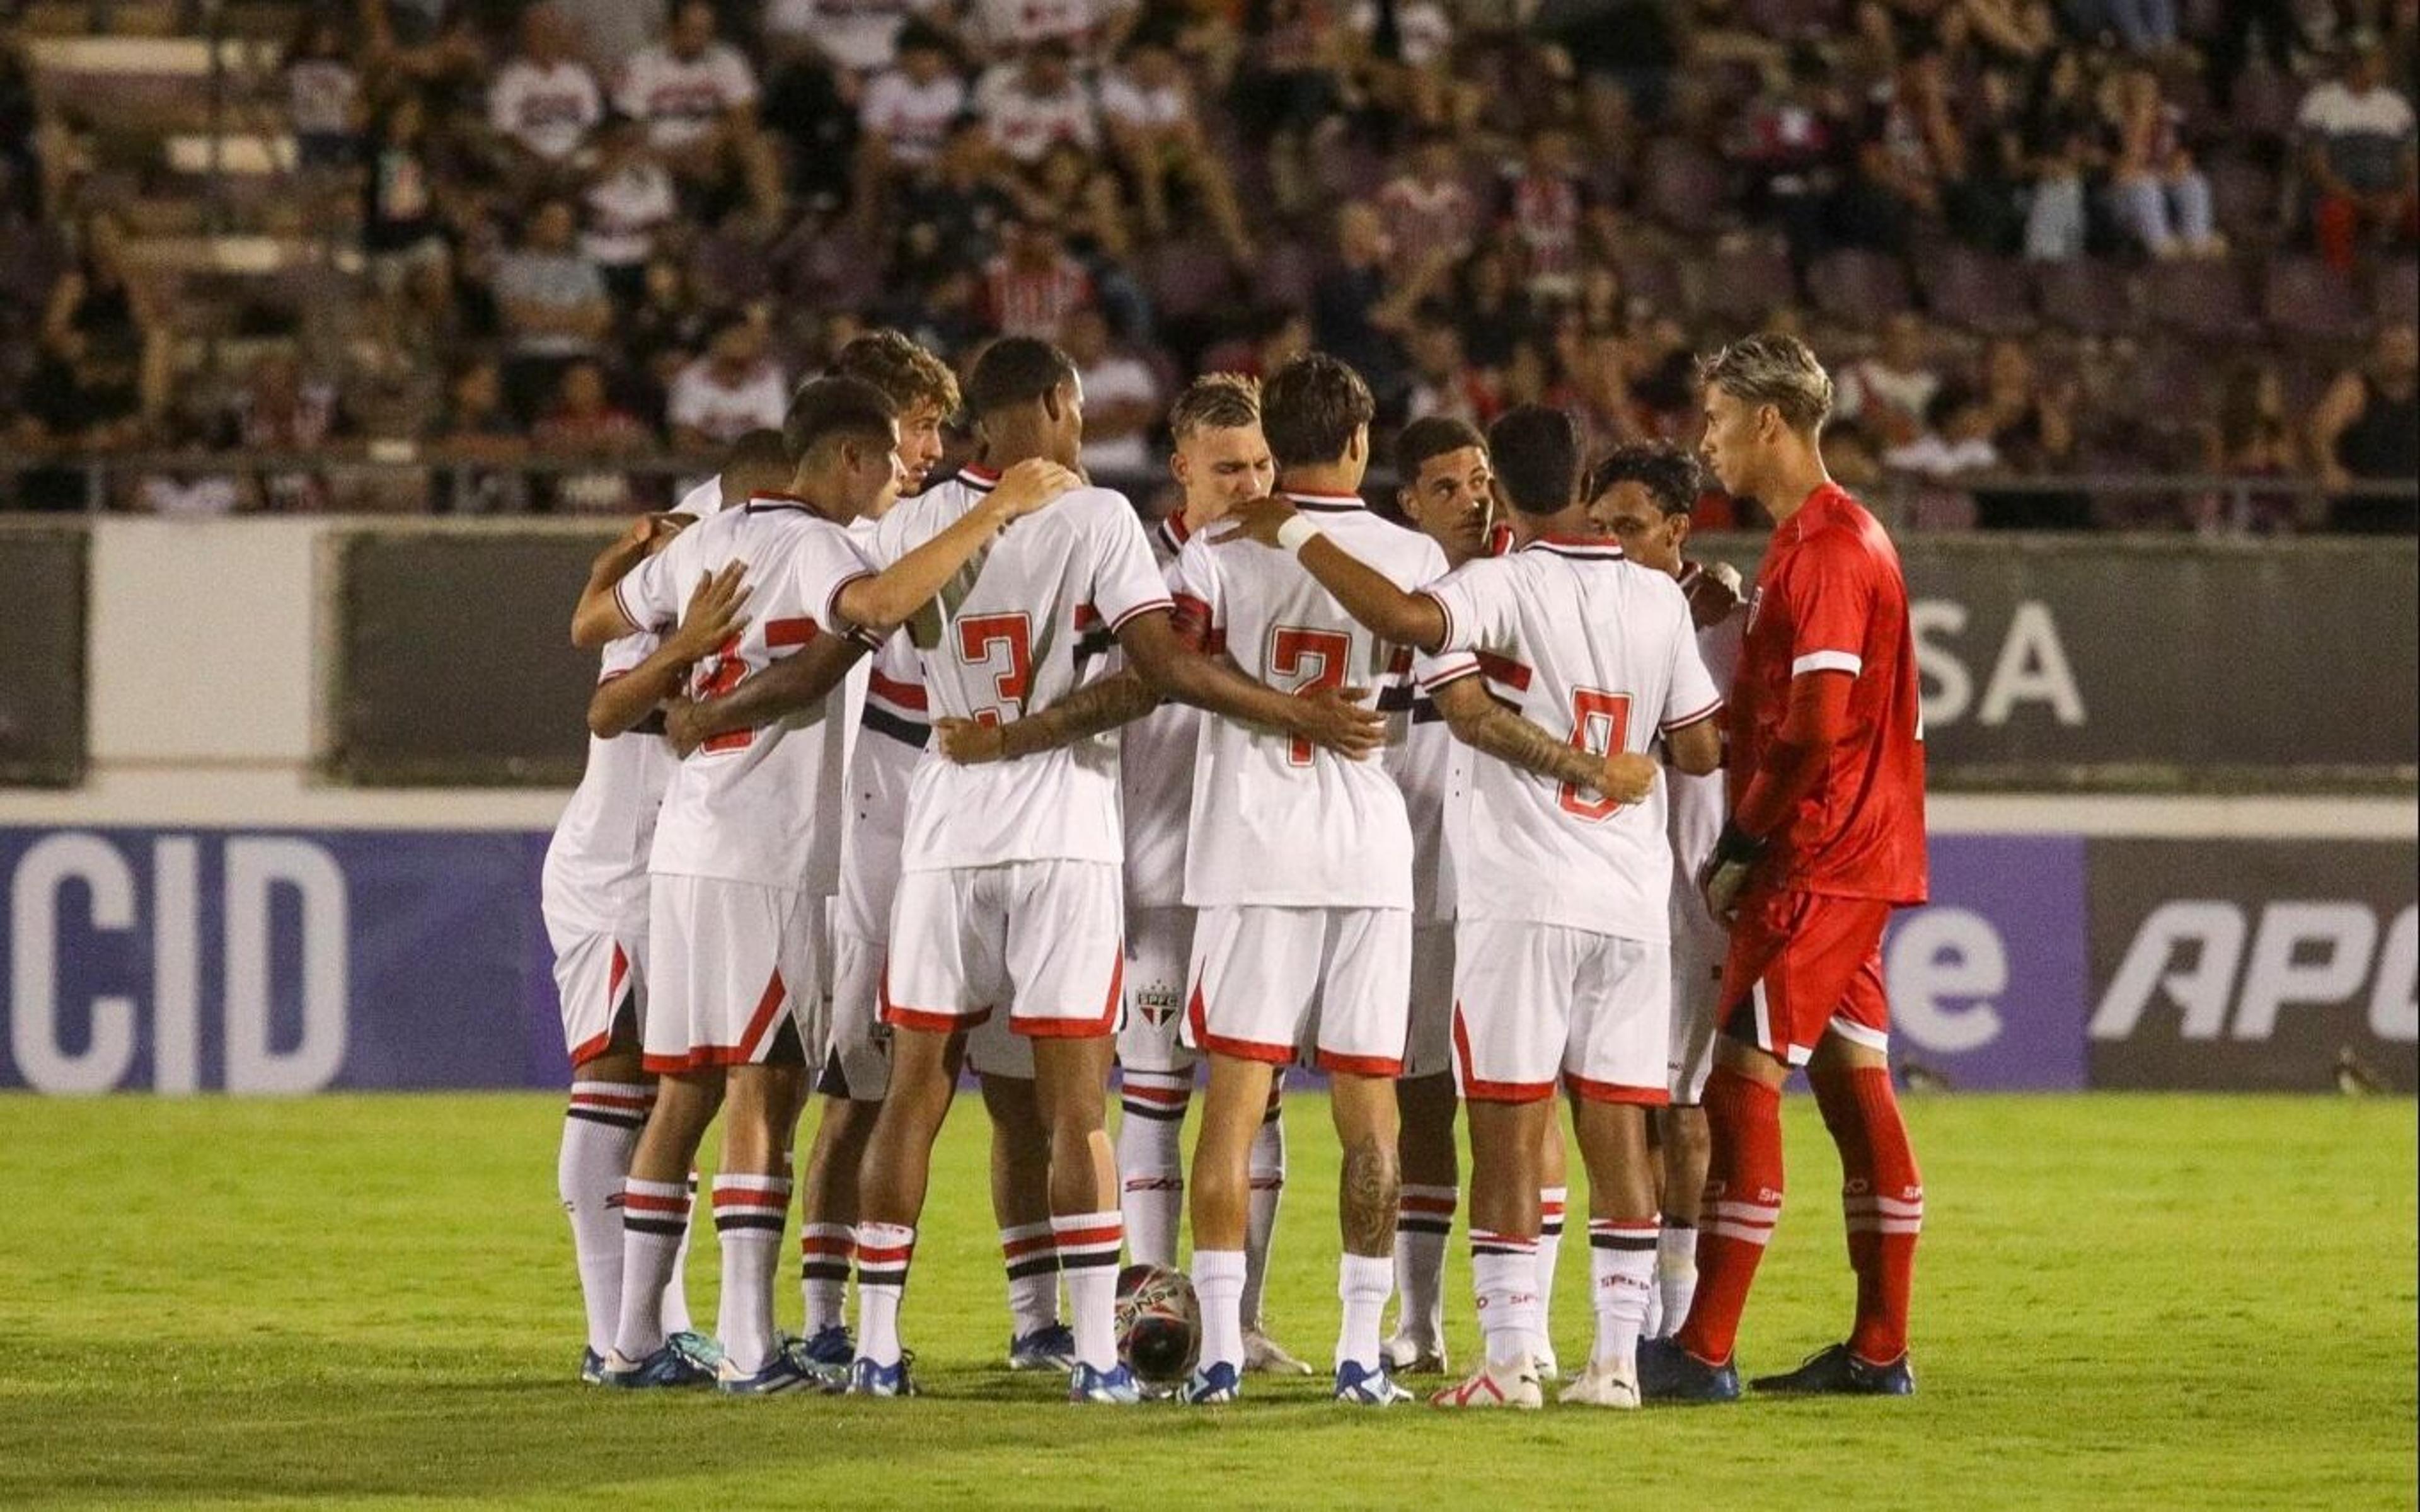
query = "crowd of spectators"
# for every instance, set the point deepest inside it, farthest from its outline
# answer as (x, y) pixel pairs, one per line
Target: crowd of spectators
(600, 229)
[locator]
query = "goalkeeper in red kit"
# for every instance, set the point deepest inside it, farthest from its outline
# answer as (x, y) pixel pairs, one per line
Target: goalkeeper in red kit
(1825, 838)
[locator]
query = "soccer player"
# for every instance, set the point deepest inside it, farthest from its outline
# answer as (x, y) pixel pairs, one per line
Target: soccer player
(1010, 886)
(1564, 662)
(1300, 864)
(1825, 838)
(729, 937)
(593, 895)
(1220, 459)
(1643, 494)
(1445, 490)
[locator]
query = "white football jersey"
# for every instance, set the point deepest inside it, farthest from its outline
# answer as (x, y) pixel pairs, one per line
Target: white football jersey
(548, 111)
(760, 806)
(1277, 821)
(595, 880)
(724, 412)
(680, 99)
(1596, 650)
(1700, 804)
(1020, 628)
(1155, 773)
(1433, 770)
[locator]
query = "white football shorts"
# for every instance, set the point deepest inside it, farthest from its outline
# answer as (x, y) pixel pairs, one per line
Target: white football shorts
(1159, 955)
(601, 980)
(1332, 982)
(732, 964)
(1535, 1002)
(1039, 938)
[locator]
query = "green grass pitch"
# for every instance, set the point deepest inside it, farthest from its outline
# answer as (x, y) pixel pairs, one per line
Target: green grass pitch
(2122, 1302)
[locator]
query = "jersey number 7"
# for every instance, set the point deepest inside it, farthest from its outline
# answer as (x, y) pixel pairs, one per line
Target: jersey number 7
(1317, 659)
(982, 639)
(1600, 726)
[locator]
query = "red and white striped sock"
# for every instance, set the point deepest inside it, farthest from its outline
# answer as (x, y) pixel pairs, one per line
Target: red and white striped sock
(1268, 1169)
(1504, 1274)
(675, 1297)
(655, 1224)
(1030, 1253)
(600, 1128)
(883, 1253)
(1882, 1200)
(1622, 1272)
(1089, 1244)
(1423, 1223)
(824, 1253)
(1551, 1200)
(749, 1215)
(1150, 1162)
(1743, 1203)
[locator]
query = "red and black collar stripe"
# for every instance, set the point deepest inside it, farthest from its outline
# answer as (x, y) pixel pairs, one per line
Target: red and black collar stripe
(1325, 503)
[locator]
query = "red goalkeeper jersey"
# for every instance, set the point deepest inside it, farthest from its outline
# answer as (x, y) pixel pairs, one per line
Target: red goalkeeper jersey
(1830, 598)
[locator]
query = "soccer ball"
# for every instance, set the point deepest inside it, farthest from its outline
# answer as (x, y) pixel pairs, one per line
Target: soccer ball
(1159, 1324)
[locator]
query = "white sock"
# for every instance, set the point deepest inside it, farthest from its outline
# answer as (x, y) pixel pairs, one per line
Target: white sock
(1676, 1275)
(1621, 1273)
(1504, 1273)
(1423, 1223)
(824, 1253)
(1363, 1284)
(748, 1214)
(1089, 1244)
(675, 1296)
(1219, 1282)
(600, 1128)
(1268, 1186)
(1031, 1254)
(1550, 1249)
(655, 1224)
(1150, 1162)
(883, 1253)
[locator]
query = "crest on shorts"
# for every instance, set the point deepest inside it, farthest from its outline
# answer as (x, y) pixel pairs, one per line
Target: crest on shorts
(1157, 1006)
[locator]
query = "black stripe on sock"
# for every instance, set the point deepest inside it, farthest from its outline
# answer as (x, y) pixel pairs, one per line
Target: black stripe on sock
(1155, 1112)
(893, 1276)
(612, 1120)
(1088, 1262)
(1038, 1265)
(1551, 1228)
(823, 1270)
(1621, 1241)
(655, 1225)
(1500, 1249)
(1424, 1225)
(725, 1222)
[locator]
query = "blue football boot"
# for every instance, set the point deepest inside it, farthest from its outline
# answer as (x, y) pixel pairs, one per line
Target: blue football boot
(866, 1379)
(1211, 1384)
(1360, 1385)
(1834, 1371)
(1114, 1387)
(782, 1372)
(1668, 1373)
(592, 1368)
(1051, 1349)
(668, 1367)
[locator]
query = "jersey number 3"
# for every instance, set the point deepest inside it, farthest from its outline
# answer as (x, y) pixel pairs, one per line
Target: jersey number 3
(1316, 658)
(980, 641)
(1600, 726)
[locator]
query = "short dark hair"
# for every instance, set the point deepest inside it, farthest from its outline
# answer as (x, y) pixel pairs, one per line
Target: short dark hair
(1668, 474)
(831, 409)
(757, 453)
(1535, 450)
(1310, 407)
(1433, 435)
(1015, 370)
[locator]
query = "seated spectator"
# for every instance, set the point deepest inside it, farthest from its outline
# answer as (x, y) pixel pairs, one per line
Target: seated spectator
(1123, 403)
(951, 214)
(1956, 440)
(584, 421)
(1911, 151)
(106, 343)
(1012, 28)
(552, 305)
(631, 204)
(857, 40)
(1889, 391)
(1793, 145)
(544, 102)
(1428, 202)
(433, 48)
(906, 112)
(2251, 435)
(2032, 426)
(1031, 286)
(1359, 312)
(477, 443)
(1291, 91)
(403, 225)
(697, 96)
(2366, 428)
(1443, 382)
(323, 94)
(732, 389)
(1405, 50)
(1544, 204)
(1148, 108)
(1035, 105)
(278, 409)
(2359, 158)
(2161, 199)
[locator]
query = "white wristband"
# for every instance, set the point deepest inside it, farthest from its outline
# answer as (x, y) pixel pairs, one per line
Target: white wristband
(1296, 531)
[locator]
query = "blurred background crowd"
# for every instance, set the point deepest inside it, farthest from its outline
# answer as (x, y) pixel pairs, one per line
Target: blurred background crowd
(2034, 238)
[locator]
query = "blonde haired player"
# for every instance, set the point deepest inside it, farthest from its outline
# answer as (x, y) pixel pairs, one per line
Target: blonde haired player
(1564, 662)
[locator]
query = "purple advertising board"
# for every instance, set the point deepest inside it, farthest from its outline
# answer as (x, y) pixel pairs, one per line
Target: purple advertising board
(285, 961)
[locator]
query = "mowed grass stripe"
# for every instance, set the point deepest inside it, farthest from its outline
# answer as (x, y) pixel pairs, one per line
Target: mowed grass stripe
(2122, 1302)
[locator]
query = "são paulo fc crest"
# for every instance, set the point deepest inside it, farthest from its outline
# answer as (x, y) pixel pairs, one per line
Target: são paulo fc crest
(1157, 1006)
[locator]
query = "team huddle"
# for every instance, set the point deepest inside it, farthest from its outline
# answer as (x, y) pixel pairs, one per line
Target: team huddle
(894, 780)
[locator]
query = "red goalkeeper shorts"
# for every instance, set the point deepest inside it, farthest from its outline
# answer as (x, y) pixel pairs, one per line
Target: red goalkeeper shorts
(1803, 964)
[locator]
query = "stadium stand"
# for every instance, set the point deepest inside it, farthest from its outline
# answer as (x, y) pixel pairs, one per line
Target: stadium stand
(457, 234)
